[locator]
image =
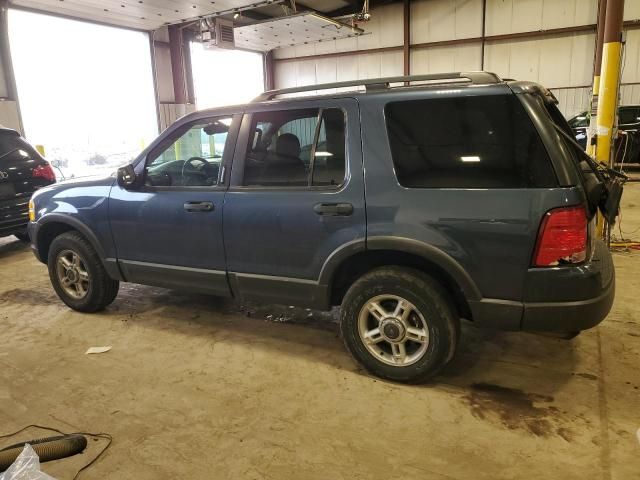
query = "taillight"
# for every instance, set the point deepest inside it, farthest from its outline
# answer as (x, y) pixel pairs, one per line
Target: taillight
(562, 237)
(44, 171)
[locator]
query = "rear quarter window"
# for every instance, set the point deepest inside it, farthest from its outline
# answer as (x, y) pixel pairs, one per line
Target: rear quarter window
(467, 142)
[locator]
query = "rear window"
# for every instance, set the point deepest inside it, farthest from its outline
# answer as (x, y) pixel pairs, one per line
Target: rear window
(11, 143)
(466, 142)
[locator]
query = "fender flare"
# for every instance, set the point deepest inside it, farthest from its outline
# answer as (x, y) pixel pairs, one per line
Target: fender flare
(74, 223)
(400, 244)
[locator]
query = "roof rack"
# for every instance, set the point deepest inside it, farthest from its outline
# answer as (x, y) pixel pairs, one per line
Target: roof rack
(383, 83)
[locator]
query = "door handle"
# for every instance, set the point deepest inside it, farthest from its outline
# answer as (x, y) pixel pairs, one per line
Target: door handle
(333, 209)
(199, 206)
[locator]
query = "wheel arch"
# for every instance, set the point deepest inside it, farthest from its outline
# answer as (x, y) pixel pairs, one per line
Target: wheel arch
(53, 225)
(348, 264)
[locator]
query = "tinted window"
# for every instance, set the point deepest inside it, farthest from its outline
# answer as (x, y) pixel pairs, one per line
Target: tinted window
(10, 142)
(628, 115)
(466, 142)
(296, 148)
(192, 158)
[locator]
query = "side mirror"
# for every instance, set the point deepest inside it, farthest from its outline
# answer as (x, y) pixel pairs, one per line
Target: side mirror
(127, 177)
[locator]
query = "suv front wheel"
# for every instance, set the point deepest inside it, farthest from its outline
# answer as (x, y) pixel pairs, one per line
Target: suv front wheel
(77, 274)
(399, 324)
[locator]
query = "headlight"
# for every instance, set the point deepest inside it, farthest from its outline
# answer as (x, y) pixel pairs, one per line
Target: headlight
(32, 211)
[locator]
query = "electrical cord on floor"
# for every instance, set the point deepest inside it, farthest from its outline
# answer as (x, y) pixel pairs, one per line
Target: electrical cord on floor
(104, 436)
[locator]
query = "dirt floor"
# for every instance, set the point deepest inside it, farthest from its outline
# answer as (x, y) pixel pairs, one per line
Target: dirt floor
(197, 387)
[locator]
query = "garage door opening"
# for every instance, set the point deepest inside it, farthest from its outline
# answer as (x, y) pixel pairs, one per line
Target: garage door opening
(225, 77)
(85, 90)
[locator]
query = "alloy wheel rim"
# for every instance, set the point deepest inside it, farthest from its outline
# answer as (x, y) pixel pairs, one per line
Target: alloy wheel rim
(393, 330)
(72, 274)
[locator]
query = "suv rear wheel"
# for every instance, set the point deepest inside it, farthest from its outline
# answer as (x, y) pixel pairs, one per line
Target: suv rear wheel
(399, 324)
(77, 274)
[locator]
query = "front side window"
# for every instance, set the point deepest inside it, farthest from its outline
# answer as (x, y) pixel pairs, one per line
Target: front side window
(466, 142)
(193, 159)
(296, 148)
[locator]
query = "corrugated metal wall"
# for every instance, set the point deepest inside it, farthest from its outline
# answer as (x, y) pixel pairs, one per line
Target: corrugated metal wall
(562, 62)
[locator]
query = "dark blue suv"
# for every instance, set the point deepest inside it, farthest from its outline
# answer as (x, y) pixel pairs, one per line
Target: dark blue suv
(411, 202)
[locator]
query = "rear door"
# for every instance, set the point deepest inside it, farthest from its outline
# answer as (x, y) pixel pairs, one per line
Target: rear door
(296, 198)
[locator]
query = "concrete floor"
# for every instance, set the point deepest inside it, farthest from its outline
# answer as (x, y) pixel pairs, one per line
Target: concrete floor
(198, 387)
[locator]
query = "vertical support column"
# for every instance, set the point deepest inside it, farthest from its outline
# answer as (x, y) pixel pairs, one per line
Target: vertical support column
(608, 88)
(187, 67)
(609, 79)
(484, 33)
(406, 46)
(177, 64)
(597, 63)
(269, 71)
(173, 74)
(9, 107)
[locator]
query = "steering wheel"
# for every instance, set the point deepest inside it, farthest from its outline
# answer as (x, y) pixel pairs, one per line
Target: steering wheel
(194, 168)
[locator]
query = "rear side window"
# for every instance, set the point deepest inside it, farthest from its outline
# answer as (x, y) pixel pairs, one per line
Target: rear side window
(296, 148)
(467, 142)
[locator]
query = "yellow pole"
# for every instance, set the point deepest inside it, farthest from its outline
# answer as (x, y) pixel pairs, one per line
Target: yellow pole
(597, 63)
(608, 86)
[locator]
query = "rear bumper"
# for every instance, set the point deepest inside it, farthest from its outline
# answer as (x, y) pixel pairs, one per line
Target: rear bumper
(561, 299)
(568, 316)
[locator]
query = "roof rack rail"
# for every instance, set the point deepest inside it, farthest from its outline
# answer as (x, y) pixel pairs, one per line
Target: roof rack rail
(382, 83)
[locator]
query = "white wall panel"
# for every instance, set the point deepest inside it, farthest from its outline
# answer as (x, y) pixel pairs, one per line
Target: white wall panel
(630, 95)
(512, 16)
(572, 100)
(338, 69)
(449, 58)
(436, 20)
(498, 18)
(556, 61)
(631, 59)
(631, 10)
(582, 53)
(347, 68)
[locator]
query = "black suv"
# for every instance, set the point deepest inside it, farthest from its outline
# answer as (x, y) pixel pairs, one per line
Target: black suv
(627, 143)
(22, 172)
(410, 206)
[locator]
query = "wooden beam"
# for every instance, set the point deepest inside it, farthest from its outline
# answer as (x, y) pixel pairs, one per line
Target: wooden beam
(407, 37)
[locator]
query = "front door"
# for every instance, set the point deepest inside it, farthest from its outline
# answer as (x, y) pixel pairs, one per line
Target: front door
(296, 198)
(168, 232)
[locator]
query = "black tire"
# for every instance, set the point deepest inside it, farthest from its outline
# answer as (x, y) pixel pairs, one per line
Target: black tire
(22, 236)
(430, 300)
(102, 289)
